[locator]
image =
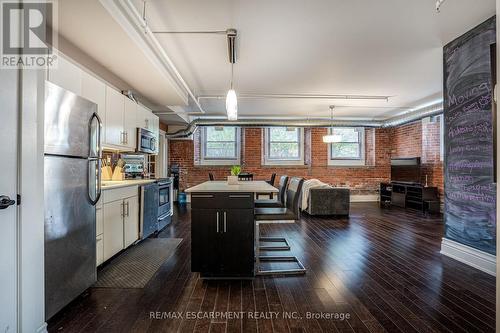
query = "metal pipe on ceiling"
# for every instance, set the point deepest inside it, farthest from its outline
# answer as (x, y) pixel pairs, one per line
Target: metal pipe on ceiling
(299, 96)
(132, 15)
(429, 111)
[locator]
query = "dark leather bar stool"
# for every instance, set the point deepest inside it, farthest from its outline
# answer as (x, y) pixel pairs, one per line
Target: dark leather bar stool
(270, 182)
(268, 203)
(288, 214)
(211, 176)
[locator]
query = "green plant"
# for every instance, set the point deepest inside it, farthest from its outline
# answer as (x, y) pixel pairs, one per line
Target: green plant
(235, 170)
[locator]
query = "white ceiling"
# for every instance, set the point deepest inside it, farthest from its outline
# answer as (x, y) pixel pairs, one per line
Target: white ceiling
(362, 47)
(89, 27)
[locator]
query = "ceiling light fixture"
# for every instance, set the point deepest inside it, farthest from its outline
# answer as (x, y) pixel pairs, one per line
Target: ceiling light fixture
(331, 137)
(231, 99)
(438, 5)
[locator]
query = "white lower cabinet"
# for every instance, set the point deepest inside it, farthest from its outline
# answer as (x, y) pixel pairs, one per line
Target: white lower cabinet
(120, 219)
(99, 243)
(113, 228)
(131, 221)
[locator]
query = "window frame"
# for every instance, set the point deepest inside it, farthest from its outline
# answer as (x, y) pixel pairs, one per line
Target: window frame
(204, 160)
(349, 161)
(283, 161)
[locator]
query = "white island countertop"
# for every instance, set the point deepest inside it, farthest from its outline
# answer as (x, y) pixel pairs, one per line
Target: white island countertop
(111, 184)
(258, 186)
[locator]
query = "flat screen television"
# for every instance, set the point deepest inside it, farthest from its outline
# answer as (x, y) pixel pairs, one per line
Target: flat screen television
(406, 170)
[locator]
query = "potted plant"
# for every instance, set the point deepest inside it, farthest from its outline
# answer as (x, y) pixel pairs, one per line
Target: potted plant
(235, 171)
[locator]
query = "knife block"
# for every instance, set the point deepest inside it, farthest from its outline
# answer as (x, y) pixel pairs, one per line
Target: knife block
(118, 174)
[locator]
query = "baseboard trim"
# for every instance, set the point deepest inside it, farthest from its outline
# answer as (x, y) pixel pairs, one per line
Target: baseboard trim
(364, 197)
(478, 259)
(42, 329)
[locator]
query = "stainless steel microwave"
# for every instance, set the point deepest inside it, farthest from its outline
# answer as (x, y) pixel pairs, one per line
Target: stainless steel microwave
(146, 141)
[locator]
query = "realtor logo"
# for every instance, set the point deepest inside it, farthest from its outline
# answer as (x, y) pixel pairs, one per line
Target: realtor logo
(27, 34)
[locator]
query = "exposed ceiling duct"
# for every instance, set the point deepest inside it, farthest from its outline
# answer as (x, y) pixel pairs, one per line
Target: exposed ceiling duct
(428, 111)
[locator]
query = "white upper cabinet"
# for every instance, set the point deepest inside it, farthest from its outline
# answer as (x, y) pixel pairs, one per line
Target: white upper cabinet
(94, 90)
(67, 75)
(143, 117)
(115, 106)
(130, 122)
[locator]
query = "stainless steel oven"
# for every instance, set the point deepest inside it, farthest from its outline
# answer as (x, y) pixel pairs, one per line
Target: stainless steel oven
(165, 208)
(146, 141)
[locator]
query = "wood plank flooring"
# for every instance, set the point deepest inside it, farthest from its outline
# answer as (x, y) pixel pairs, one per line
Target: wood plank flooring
(377, 271)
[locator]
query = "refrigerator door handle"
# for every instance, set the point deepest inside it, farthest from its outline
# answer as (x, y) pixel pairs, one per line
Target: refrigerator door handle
(98, 152)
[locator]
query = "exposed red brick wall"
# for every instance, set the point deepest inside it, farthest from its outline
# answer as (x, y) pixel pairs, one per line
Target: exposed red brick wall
(413, 140)
(359, 179)
(407, 140)
(421, 139)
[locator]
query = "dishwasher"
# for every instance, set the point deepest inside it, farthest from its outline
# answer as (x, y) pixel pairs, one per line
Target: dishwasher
(149, 210)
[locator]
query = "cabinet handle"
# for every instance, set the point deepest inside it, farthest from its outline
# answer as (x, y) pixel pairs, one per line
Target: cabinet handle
(128, 208)
(123, 209)
(208, 196)
(147, 123)
(239, 196)
(217, 222)
(225, 219)
(126, 138)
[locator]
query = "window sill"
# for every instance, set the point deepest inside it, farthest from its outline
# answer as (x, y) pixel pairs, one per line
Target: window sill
(287, 166)
(347, 163)
(218, 163)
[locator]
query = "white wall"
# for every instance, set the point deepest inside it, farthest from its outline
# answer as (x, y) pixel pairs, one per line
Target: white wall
(31, 242)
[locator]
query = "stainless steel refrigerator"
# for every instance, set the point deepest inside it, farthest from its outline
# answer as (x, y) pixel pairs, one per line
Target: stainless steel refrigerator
(72, 188)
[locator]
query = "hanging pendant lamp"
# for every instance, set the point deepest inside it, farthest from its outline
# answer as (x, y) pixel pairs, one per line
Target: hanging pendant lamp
(331, 137)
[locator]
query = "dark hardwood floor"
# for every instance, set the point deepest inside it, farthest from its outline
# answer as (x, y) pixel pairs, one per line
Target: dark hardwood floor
(380, 268)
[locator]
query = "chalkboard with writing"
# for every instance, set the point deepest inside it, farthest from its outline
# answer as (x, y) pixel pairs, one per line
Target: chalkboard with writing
(470, 191)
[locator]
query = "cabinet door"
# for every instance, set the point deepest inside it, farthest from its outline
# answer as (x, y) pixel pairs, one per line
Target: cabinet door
(113, 228)
(94, 90)
(130, 122)
(99, 221)
(114, 117)
(205, 236)
(155, 128)
(99, 250)
(131, 221)
(67, 75)
(237, 244)
(142, 115)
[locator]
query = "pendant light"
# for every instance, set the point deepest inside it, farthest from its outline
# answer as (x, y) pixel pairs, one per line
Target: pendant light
(331, 137)
(231, 101)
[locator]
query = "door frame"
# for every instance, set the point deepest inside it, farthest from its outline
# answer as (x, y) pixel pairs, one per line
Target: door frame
(30, 215)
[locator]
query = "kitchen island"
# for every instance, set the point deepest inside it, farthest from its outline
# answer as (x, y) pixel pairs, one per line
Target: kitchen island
(223, 228)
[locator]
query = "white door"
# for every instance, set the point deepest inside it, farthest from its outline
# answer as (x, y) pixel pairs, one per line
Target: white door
(8, 191)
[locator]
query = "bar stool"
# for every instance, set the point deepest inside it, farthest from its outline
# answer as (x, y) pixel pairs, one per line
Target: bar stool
(270, 182)
(288, 214)
(280, 203)
(211, 176)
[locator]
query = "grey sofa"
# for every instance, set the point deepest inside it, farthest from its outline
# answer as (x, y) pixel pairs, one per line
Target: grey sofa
(328, 201)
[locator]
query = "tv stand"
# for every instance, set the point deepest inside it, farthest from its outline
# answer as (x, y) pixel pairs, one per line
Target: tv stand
(410, 195)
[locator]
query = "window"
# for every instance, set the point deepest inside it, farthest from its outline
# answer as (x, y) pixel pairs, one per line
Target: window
(284, 145)
(350, 150)
(220, 145)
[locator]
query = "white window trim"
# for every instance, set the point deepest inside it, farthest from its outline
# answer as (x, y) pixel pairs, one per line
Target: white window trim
(268, 161)
(349, 162)
(204, 161)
